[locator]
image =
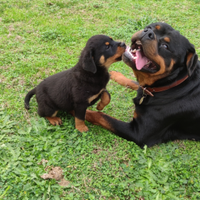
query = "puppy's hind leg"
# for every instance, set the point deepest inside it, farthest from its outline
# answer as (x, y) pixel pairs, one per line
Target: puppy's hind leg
(54, 120)
(49, 113)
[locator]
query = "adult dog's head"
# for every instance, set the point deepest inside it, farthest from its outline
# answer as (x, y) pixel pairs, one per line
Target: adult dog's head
(100, 52)
(159, 51)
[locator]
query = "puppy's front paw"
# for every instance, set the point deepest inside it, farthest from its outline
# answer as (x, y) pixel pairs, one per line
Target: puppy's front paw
(80, 125)
(100, 106)
(82, 128)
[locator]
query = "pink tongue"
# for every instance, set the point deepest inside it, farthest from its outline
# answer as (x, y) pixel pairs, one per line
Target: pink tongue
(140, 60)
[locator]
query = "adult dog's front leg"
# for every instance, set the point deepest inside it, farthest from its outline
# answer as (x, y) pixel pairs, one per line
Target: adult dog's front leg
(122, 80)
(120, 128)
(97, 118)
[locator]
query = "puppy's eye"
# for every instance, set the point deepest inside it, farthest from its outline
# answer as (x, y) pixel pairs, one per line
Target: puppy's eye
(164, 46)
(107, 46)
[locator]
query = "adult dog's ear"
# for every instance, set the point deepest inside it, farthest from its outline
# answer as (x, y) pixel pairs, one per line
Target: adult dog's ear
(88, 61)
(191, 61)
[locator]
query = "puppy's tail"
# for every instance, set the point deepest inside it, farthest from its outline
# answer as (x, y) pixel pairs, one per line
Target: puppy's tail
(28, 97)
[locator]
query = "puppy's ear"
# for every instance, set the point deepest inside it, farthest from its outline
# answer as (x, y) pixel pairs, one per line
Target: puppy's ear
(88, 61)
(191, 61)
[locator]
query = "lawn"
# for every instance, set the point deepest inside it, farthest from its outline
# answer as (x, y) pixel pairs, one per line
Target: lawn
(39, 38)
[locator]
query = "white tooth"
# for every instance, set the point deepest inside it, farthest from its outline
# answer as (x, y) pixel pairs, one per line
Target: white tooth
(138, 42)
(138, 49)
(134, 50)
(134, 57)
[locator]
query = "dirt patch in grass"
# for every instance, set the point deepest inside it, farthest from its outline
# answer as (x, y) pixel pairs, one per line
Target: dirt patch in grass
(57, 174)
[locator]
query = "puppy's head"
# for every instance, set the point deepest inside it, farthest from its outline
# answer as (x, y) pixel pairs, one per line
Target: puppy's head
(158, 51)
(100, 52)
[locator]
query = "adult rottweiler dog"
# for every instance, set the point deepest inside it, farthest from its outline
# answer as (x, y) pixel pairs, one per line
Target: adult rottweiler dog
(167, 106)
(77, 88)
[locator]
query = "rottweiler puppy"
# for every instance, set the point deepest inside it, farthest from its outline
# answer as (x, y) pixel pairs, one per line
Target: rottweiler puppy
(77, 88)
(167, 105)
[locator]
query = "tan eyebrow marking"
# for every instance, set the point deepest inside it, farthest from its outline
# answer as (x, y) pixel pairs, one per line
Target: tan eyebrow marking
(107, 43)
(158, 27)
(167, 39)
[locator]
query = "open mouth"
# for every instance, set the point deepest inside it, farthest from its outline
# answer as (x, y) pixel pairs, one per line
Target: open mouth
(136, 55)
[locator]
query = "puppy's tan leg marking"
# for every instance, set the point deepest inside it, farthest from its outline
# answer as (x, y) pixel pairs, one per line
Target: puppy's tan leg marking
(80, 125)
(54, 120)
(122, 80)
(105, 100)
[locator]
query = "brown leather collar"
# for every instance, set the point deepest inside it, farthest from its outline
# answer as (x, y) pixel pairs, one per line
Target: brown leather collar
(149, 90)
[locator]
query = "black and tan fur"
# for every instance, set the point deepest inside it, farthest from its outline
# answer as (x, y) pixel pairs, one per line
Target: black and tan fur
(77, 88)
(170, 114)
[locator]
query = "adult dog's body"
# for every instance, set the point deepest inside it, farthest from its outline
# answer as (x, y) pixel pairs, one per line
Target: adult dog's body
(75, 89)
(167, 106)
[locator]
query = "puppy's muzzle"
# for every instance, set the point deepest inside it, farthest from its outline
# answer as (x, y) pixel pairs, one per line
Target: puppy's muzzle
(122, 44)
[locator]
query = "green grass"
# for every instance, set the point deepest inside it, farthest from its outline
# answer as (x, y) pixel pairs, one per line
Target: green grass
(40, 38)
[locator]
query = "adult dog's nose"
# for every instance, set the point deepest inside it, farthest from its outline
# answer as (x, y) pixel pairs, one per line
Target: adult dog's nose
(148, 34)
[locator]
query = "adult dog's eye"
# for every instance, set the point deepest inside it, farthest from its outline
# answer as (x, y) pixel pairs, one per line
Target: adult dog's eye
(164, 46)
